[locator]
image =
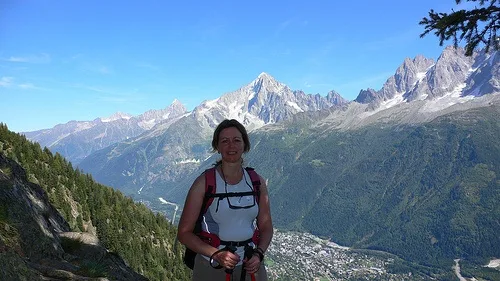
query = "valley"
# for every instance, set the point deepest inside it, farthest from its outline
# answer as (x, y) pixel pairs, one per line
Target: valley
(411, 169)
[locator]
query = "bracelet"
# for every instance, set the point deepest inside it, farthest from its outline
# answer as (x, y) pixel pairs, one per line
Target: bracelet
(260, 253)
(212, 260)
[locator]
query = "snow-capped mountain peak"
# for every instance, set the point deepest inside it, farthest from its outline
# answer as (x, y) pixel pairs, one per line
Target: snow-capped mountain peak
(152, 117)
(265, 83)
(116, 116)
(264, 100)
(453, 76)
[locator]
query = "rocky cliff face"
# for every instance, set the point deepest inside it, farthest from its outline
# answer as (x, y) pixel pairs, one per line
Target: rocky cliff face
(425, 79)
(35, 242)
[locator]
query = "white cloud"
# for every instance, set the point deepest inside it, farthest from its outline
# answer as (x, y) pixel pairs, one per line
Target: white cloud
(6, 81)
(41, 58)
(27, 86)
(9, 82)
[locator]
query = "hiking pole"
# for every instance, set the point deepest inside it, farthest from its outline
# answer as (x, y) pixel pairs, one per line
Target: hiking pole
(248, 256)
(229, 271)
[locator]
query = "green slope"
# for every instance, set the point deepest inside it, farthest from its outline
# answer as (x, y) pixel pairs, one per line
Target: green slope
(425, 192)
(143, 239)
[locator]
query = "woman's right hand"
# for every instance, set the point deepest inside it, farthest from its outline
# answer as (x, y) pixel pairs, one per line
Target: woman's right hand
(227, 259)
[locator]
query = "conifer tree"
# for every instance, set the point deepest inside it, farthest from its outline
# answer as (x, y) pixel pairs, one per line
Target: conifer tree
(125, 227)
(478, 26)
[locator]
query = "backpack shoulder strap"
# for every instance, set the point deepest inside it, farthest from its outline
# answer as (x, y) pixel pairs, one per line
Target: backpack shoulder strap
(255, 178)
(210, 189)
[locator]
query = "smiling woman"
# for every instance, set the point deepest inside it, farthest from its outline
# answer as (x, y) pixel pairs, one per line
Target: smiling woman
(236, 229)
(231, 141)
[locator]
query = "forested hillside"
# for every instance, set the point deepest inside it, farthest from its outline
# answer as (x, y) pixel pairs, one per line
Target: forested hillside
(428, 192)
(144, 240)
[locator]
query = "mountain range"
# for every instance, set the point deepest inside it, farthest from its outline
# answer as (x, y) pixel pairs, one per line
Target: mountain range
(174, 148)
(77, 139)
(411, 168)
(265, 101)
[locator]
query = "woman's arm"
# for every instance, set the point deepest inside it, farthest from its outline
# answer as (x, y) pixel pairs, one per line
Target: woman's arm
(187, 222)
(189, 216)
(264, 221)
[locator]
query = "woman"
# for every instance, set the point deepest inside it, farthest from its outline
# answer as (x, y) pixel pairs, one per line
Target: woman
(234, 219)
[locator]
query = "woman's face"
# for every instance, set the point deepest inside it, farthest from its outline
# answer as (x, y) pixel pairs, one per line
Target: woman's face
(231, 145)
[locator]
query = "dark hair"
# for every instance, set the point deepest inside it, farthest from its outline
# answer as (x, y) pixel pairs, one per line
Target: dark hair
(228, 124)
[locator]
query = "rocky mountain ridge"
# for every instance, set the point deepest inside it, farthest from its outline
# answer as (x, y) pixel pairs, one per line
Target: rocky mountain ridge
(76, 140)
(424, 79)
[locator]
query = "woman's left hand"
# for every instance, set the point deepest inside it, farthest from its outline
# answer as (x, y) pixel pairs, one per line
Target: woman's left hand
(253, 264)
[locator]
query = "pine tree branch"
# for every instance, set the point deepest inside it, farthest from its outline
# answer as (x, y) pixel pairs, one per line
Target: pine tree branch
(476, 26)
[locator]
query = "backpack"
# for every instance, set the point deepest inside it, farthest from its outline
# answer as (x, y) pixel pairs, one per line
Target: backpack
(210, 195)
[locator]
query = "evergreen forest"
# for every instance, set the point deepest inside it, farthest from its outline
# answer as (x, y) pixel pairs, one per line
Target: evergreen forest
(145, 240)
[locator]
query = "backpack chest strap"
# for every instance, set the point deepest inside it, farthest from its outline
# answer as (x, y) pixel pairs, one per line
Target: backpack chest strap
(231, 194)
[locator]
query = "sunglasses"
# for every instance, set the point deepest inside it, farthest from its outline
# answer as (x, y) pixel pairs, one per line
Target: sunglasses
(238, 194)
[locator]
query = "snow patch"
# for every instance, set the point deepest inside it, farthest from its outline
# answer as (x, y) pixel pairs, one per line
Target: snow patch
(397, 99)
(147, 124)
(101, 135)
(235, 110)
(420, 76)
(447, 100)
(211, 103)
(206, 106)
(252, 122)
(493, 264)
(81, 126)
(187, 161)
(294, 105)
(116, 116)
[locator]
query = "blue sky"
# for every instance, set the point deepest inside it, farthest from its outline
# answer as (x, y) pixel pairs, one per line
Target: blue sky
(79, 60)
